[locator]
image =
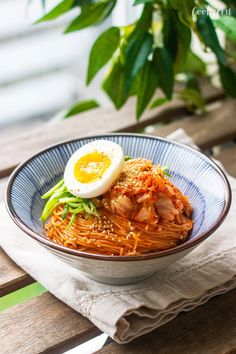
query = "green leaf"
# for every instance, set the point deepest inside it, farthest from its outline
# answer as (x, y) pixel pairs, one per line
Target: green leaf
(170, 38)
(138, 2)
(228, 79)
(158, 102)
(164, 66)
(144, 23)
(114, 85)
(193, 98)
(102, 50)
(192, 83)
(183, 42)
(57, 11)
(228, 25)
(80, 107)
(194, 64)
(207, 31)
(138, 40)
(135, 85)
(184, 8)
(177, 39)
(91, 14)
(136, 55)
(147, 87)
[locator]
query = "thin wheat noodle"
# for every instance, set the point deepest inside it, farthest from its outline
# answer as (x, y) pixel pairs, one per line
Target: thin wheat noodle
(111, 234)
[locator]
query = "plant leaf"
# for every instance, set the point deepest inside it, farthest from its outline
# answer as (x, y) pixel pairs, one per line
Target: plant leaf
(192, 83)
(57, 11)
(228, 79)
(177, 39)
(194, 64)
(164, 66)
(206, 29)
(147, 87)
(144, 23)
(136, 56)
(91, 14)
(138, 2)
(184, 8)
(114, 85)
(170, 38)
(193, 98)
(80, 107)
(183, 42)
(158, 102)
(102, 50)
(228, 25)
(135, 85)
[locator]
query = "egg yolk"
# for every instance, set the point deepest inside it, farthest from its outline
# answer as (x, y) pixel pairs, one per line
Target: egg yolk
(91, 167)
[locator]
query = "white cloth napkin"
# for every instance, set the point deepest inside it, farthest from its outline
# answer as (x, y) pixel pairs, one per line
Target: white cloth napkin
(139, 308)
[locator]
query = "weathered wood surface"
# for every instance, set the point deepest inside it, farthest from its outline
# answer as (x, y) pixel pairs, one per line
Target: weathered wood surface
(228, 159)
(11, 276)
(97, 121)
(215, 127)
(209, 329)
(42, 324)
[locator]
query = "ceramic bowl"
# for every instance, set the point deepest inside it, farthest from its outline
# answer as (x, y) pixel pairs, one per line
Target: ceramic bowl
(196, 175)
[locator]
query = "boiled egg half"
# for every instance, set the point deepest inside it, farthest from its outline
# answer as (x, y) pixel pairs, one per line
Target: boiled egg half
(93, 168)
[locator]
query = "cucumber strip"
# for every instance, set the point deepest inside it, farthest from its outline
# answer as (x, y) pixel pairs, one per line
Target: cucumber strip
(53, 189)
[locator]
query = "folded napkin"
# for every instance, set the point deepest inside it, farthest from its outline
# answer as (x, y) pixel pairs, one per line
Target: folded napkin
(135, 309)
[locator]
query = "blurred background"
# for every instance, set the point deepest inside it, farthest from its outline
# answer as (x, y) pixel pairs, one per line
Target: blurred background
(41, 70)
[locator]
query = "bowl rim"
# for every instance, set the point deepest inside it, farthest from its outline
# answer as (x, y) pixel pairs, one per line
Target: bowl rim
(66, 250)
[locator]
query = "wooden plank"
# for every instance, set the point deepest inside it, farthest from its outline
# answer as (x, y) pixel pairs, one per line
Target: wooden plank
(210, 328)
(11, 276)
(43, 324)
(228, 158)
(215, 127)
(99, 121)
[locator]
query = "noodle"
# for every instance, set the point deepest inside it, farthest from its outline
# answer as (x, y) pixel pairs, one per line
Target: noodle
(111, 234)
(142, 212)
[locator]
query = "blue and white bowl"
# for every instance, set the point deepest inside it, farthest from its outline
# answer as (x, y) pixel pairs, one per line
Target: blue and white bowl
(193, 173)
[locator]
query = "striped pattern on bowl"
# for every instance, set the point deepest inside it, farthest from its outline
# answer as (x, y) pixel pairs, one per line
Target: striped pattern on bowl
(192, 172)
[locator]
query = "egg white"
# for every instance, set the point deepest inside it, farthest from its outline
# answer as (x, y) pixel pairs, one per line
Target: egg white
(100, 186)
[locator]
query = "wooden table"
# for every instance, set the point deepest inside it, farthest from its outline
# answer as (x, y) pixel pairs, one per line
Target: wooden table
(44, 324)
